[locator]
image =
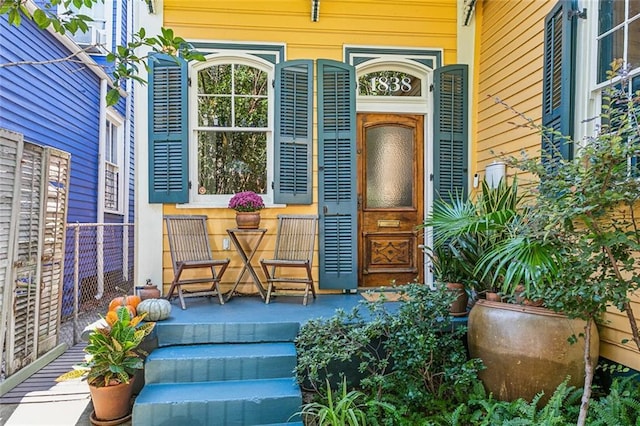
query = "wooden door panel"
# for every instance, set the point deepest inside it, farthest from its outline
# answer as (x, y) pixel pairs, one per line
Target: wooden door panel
(388, 241)
(390, 252)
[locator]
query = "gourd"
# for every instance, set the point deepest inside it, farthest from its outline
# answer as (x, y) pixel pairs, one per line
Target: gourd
(112, 315)
(111, 318)
(156, 309)
(130, 300)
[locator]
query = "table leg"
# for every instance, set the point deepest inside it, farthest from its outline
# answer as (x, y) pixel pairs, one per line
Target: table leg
(246, 261)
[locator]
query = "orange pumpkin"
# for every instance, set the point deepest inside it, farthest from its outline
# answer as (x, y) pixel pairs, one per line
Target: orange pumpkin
(112, 317)
(131, 300)
(116, 303)
(113, 314)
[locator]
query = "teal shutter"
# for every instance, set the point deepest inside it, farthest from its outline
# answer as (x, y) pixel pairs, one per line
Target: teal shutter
(558, 80)
(168, 130)
(293, 141)
(451, 131)
(337, 202)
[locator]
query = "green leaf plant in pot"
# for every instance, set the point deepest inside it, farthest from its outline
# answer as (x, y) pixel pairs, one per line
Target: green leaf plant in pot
(113, 357)
(449, 270)
(471, 226)
(585, 208)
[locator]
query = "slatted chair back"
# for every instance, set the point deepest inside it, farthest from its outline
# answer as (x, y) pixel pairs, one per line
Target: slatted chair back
(188, 239)
(295, 241)
(295, 238)
(190, 250)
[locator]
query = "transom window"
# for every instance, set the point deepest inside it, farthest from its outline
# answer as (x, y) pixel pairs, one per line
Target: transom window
(389, 83)
(232, 128)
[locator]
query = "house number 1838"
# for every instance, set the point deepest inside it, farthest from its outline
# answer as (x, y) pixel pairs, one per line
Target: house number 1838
(390, 85)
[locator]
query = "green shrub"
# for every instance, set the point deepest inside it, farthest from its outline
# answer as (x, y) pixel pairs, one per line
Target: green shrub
(408, 353)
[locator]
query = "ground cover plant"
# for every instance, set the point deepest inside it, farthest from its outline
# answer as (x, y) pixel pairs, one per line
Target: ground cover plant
(404, 355)
(404, 364)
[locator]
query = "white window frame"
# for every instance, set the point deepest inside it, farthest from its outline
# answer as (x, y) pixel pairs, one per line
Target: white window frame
(588, 90)
(408, 104)
(222, 200)
(114, 120)
(104, 24)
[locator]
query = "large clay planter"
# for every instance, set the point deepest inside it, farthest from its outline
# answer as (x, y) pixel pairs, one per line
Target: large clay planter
(525, 349)
(112, 402)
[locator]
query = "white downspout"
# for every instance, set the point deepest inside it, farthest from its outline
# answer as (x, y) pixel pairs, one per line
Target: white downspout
(148, 217)
(100, 189)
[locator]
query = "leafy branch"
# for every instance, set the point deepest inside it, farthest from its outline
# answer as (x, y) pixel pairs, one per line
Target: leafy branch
(126, 61)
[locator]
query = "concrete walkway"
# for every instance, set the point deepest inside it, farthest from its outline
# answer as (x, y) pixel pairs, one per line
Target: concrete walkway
(41, 401)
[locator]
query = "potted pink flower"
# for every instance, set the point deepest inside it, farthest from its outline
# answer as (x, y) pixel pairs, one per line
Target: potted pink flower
(247, 205)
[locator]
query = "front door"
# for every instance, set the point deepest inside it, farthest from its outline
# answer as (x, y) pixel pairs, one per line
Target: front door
(390, 198)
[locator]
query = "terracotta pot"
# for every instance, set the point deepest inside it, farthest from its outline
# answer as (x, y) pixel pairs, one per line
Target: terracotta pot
(459, 306)
(248, 220)
(149, 291)
(112, 402)
(525, 349)
(493, 296)
(525, 301)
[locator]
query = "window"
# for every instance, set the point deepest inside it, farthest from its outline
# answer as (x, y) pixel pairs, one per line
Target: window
(618, 39)
(96, 39)
(261, 108)
(230, 115)
(618, 34)
(113, 163)
(389, 83)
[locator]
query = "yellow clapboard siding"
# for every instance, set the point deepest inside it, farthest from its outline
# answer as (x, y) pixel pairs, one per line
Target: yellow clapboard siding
(430, 24)
(620, 355)
(507, 28)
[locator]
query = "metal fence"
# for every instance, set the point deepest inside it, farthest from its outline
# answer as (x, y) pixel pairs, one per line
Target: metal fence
(98, 267)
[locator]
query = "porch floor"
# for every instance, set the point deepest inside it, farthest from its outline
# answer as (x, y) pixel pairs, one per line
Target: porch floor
(249, 308)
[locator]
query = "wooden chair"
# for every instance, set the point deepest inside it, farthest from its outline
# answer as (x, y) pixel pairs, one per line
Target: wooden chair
(190, 250)
(294, 251)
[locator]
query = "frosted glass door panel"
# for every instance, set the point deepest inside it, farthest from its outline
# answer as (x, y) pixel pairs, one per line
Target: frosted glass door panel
(389, 167)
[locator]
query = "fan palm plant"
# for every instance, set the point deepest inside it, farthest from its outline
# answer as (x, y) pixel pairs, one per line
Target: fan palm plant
(484, 234)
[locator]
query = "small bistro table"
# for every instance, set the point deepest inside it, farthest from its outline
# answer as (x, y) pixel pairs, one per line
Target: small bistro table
(246, 252)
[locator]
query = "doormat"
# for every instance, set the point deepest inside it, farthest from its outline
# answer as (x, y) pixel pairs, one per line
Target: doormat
(389, 296)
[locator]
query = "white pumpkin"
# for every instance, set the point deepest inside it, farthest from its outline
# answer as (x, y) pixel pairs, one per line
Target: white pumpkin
(156, 309)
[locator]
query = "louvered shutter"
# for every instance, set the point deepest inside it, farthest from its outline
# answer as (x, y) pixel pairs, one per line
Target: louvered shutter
(22, 334)
(11, 146)
(337, 175)
(293, 132)
(168, 130)
(55, 203)
(451, 131)
(558, 81)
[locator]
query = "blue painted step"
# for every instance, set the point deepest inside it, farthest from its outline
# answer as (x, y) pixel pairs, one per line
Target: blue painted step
(216, 362)
(239, 332)
(285, 424)
(236, 402)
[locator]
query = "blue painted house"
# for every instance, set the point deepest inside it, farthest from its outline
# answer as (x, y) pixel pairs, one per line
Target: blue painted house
(58, 103)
